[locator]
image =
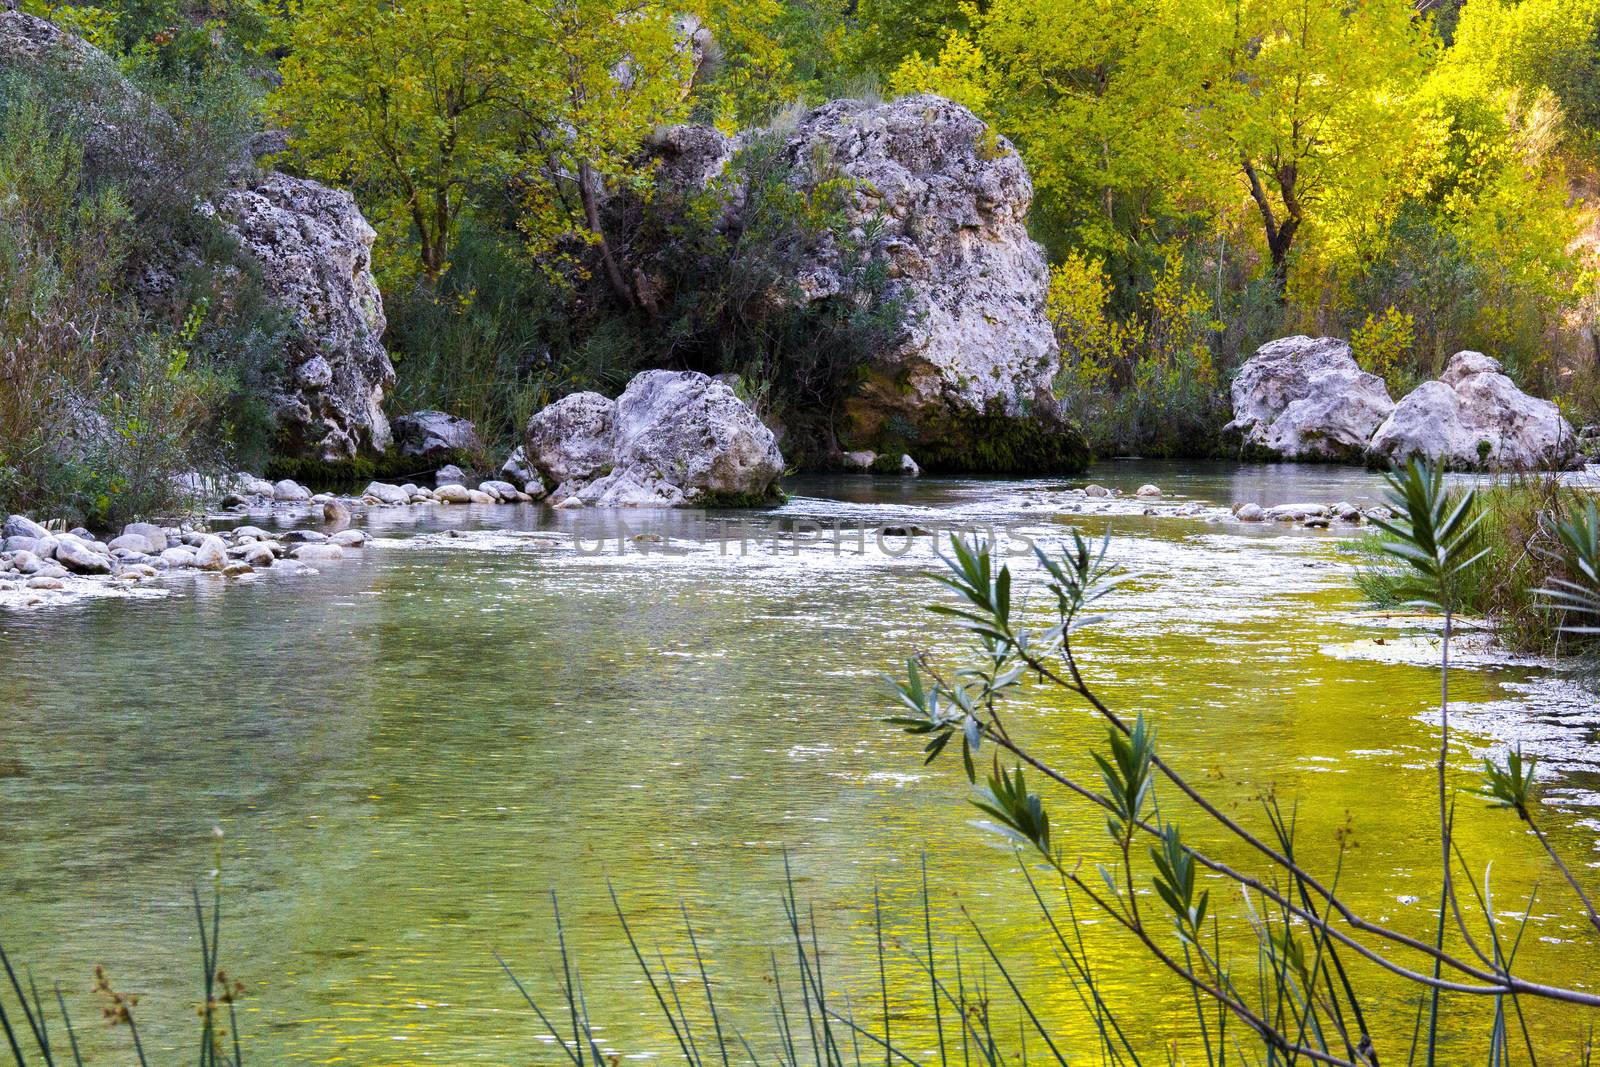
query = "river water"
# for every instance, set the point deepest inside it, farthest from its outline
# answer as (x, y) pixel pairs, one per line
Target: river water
(408, 752)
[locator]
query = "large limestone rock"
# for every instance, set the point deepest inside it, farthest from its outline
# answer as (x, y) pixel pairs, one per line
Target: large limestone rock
(315, 251)
(573, 439)
(311, 243)
(672, 439)
(943, 201)
(436, 436)
(1306, 398)
(1475, 418)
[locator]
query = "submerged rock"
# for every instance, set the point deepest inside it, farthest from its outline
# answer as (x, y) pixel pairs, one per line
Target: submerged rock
(1306, 398)
(1475, 418)
(672, 439)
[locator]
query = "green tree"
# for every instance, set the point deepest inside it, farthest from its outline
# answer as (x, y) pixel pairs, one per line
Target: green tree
(422, 106)
(1306, 98)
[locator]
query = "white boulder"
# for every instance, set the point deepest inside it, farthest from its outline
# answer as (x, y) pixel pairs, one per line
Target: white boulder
(1306, 398)
(1475, 418)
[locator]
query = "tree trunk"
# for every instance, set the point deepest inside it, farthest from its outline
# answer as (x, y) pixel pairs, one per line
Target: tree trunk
(591, 215)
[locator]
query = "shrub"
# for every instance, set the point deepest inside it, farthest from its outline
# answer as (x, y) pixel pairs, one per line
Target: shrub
(1519, 551)
(112, 385)
(1145, 383)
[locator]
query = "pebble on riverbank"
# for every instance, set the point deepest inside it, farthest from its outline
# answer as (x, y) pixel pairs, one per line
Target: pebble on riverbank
(41, 566)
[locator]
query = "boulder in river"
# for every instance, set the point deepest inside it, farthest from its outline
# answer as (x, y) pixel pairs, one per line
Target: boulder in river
(435, 436)
(672, 439)
(572, 439)
(1475, 418)
(1306, 398)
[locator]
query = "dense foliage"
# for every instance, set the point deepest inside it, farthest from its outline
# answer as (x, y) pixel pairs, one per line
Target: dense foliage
(1208, 175)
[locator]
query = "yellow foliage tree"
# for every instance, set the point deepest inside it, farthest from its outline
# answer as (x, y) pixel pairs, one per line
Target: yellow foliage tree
(420, 105)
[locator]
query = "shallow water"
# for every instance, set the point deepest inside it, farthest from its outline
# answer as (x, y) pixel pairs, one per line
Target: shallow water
(408, 751)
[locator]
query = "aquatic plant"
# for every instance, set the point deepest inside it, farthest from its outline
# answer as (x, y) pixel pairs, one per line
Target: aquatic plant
(28, 1033)
(1306, 999)
(1520, 549)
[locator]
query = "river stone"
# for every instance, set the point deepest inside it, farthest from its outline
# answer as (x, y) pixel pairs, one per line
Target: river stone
(259, 554)
(1250, 513)
(434, 436)
(211, 554)
(335, 512)
(503, 491)
(130, 544)
(860, 460)
(453, 494)
(348, 539)
(251, 533)
(1306, 398)
(909, 467)
(79, 557)
(385, 493)
(1297, 512)
(26, 562)
(155, 537)
(22, 526)
(683, 438)
(450, 474)
(237, 570)
(1148, 491)
(1475, 418)
(289, 491)
(317, 553)
(573, 438)
(516, 469)
(42, 581)
(303, 537)
(177, 558)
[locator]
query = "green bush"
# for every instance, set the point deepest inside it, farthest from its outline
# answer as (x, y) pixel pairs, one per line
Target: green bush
(113, 385)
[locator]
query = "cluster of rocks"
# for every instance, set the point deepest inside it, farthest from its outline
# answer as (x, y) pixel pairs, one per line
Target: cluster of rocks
(1306, 398)
(865, 461)
(1312, 515)
(36, 559)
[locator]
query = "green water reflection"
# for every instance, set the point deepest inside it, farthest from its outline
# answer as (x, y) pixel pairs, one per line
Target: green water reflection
(409, 751)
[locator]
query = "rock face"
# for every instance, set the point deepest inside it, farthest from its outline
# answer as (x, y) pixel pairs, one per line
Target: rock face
(311, 243)
(672, 439)
(433, 435)
(943, 202)
(1305, 398)
(1475, 418)
(572, 439)
(315, 251)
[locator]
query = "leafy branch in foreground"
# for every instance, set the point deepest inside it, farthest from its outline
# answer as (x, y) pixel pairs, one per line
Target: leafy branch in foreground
(1303, 1004)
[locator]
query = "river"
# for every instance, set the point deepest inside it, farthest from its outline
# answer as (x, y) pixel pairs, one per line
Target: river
(409, 751)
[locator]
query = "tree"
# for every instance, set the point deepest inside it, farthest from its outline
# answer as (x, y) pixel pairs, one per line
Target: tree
(1094, 94)
(600, 76)
(422, 106)
(406, 103)
(1306, 98)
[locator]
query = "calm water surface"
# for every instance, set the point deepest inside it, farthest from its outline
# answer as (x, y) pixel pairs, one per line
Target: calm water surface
(408, 752)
